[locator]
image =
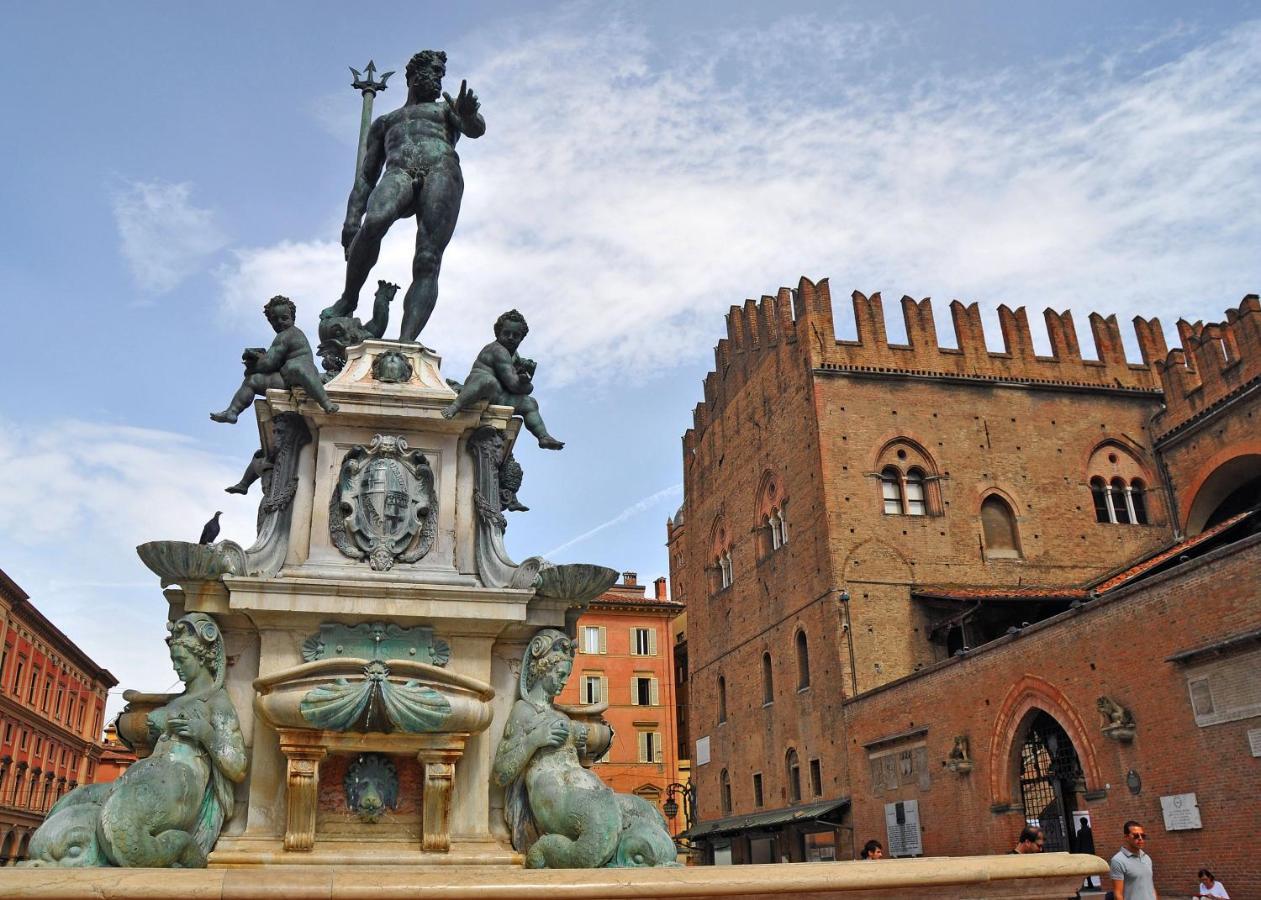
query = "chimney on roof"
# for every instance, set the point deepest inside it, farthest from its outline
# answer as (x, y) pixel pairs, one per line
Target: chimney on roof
(659, 588)
(630, 579)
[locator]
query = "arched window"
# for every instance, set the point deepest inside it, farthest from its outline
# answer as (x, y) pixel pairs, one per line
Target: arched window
(768, 685)
(722, 699)
(1120, 502)
(724, 792)
(1099, 493)
(915, 503)
(1120, 492)
(908, 479)
(891, 491)
(793, 765)
(998, 523)
(803, 662)
(772, 521)
(1137, 501)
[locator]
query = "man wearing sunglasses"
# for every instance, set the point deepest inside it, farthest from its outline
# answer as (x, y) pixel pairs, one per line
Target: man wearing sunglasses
(1131, 868)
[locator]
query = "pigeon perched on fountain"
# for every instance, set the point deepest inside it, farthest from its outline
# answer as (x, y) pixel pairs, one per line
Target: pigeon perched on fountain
(211, 530)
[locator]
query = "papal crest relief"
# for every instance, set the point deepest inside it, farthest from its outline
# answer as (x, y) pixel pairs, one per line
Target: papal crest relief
(384, 508)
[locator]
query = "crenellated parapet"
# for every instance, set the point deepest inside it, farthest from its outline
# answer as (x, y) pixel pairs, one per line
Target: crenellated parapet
(798, 324)
(1216, 362)
(923, 354)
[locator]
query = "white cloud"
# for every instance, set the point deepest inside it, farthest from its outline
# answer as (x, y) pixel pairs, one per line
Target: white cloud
(624, 195)
(165, 238)
(79, 497)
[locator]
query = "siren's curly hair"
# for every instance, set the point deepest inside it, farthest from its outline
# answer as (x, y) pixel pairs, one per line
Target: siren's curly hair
(426, 59)
(544, 652)
(511, 316)
(275, 303)
(199, 635)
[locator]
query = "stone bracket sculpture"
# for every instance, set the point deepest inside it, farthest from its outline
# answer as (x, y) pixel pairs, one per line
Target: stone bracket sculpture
(494, 566)
(374, 703)
(376, 640)
(371, 786)
(280, 483)
(561, 815)
(960, 760)
(384, 507)
(1118, 722)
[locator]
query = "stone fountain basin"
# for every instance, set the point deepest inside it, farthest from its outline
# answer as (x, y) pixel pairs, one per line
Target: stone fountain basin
(279, 697)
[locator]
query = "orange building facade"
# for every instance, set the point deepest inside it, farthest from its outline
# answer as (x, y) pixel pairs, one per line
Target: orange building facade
(625, 660)
(52, 704)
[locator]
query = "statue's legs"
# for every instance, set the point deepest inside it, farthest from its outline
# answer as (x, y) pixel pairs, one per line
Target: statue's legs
(389, 201)
(253, 385)
(528, 407)
(438, 207)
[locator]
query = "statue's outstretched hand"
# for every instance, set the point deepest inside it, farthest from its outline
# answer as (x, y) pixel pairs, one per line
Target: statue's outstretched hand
(466, 104)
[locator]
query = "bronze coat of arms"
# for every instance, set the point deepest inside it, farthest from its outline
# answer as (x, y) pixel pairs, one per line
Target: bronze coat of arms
(384, 508)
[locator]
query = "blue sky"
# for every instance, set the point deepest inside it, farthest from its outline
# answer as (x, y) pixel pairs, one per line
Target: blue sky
(645, 166)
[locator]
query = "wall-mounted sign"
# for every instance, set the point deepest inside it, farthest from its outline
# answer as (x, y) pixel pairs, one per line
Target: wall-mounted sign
(702, 751)
(901, 820)
(1181, 812)
(1254, 741)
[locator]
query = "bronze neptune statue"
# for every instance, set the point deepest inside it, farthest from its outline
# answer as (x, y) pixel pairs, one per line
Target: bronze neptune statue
(415, 145)
(167, 810)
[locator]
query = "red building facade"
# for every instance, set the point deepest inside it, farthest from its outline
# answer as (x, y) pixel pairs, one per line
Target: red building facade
(52, 703)
(625, 660)
(935, 592)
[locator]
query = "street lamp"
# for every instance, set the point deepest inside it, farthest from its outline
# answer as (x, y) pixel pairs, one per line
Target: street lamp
(671, 806)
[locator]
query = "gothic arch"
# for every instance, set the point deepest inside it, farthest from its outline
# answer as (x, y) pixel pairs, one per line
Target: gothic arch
(890, 440)
(870, 551)
(1227, 470)
(1024, 700)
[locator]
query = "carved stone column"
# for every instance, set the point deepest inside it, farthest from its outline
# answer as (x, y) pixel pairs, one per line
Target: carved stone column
(439, 769)
(302, 777)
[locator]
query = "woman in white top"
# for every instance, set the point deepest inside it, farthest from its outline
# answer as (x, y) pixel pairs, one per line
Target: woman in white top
(1210, 886)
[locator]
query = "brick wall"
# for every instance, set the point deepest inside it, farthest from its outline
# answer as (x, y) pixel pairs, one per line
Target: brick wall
(1116, 647)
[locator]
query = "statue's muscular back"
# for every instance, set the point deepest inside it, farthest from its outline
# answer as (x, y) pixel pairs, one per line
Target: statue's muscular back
(418, 136)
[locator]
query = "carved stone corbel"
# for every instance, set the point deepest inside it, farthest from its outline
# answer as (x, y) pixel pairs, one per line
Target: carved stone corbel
(302, 780)
(439, 780)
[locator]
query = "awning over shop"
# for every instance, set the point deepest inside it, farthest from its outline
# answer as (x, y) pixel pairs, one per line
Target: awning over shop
(768, 819)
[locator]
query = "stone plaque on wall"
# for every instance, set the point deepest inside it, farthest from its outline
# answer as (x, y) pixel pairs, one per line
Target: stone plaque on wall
(1254, 741)
(901, 821)
(1181, 812)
